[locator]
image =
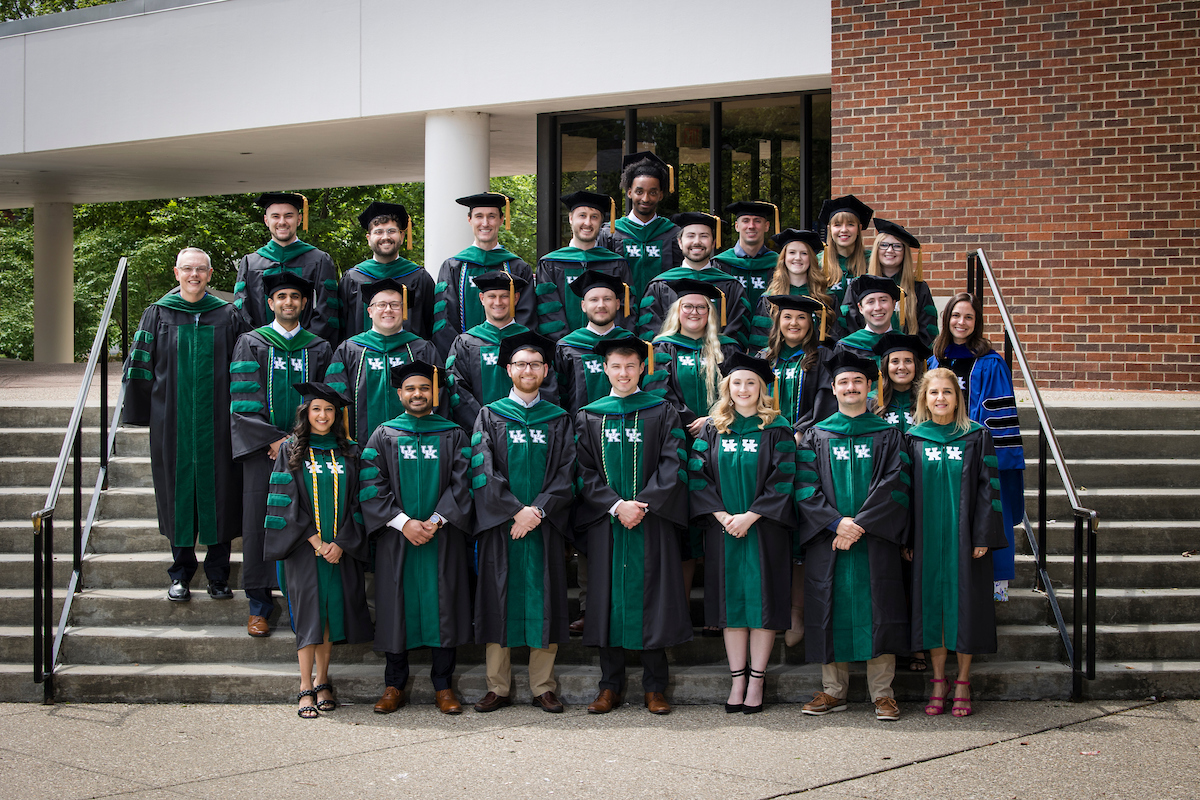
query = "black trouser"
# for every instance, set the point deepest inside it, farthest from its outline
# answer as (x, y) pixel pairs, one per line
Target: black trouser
(444, 660)
(216, 563)
(612, 669)
(261, 603)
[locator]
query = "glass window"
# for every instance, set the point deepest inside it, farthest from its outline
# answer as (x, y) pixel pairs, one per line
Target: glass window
(679, 135)
(762, 142)
(820, 136)
(591, 146)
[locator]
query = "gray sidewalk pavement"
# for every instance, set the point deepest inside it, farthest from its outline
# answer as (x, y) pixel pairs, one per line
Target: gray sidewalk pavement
(1006, 750)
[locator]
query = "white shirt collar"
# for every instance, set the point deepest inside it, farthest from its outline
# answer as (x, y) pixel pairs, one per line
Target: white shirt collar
(613, 393)
(516, 398)
(275, 326)
(591, 327)
(633, 218)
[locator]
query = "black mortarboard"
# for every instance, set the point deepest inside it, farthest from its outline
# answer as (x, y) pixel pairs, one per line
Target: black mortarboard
(645, 155)
(604, 346)
(789, 235)
(314, 390)
(499, 279)
(287, 280)
(591, 278)
(684, 286)
(864, 285)
(848, 203)
(297, 201)
(402, 372)
(892, 229)
(526, 341)
(489, 200)
(699, 218)
(378, 209)
(759, 366)
(891, 342)
(756, 208)
(846, 361)
(369, 290)
(601, 202)
(799, 302)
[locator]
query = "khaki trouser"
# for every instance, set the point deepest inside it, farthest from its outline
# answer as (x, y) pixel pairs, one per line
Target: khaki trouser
(541, 669)
(835, 678)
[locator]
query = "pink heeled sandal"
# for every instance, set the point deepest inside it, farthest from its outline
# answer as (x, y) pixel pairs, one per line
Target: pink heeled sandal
(963, 710)
(932, 710)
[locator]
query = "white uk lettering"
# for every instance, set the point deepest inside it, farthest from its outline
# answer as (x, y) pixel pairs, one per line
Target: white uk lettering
(633, 435)
(862, 450)
(408, 452)
(314, 467)
(297, 364)
(653, 251)
(728, 446)
(933, 454)
(517, 437)
(537, 437)
(491, 359)
(954, 453)
(841, 453)
(375, 363)
(749, 446)
(279, 363)
(429, 451)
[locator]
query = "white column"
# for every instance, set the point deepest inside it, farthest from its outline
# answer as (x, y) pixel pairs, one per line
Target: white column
(457, 163)
(53, 283)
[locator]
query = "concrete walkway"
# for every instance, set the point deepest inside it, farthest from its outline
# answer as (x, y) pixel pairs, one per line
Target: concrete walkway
(1006, 750)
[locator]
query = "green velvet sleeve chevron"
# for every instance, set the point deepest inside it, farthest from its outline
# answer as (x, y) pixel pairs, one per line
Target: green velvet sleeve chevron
(138, 374)
(551, 295)
(703, 481)
(776, 500)
(288, 519)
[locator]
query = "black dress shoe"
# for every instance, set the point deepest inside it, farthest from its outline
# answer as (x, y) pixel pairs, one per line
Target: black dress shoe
(219, 590)
(179, 592)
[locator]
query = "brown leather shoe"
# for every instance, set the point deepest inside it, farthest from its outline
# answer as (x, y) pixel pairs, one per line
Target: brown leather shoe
(657, 703)
(257, 626)
(822, 704)
(576, 627)
(548, 702)
(605, 702)
(392, 699)
(447, 703)
(492, 701)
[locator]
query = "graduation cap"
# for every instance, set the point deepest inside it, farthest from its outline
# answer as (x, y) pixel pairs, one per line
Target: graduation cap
(600, 202)
(314, 390)
(605, 346)
(848, 203)
(402, 372)
(699, 218)
(845, 360)
(789, 235)
(754, 208)
(369, 290)
(797, 302)
(864, 285)
(287, 280)
(684, 286)
(526, 341)
(489, 200)
(646, 155)
(378, 209)
(892, 229)
(759, 366)
(297, 201)
(499, 279)
(591, 278)
(891, 342)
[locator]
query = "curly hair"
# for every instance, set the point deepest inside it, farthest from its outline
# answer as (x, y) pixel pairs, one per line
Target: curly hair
(302, 430)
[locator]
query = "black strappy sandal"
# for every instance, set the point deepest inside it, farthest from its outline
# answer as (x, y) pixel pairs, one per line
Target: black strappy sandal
(325, 705)
(733, 708)
(755, 675)
(307, 712)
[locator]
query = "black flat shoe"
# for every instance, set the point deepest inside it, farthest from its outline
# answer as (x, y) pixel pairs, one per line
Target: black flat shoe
(179, 592)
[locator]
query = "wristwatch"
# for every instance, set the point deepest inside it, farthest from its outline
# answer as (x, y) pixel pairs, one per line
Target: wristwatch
(541, 512)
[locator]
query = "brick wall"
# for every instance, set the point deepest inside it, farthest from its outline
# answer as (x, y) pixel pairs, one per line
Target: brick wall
(1060, 137)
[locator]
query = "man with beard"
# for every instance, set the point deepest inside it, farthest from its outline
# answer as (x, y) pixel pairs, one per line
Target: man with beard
(416, 502)
(557, 316)
(283, 214)
(645, 240)
(523, 462)
(388, 228)
(267, 362)
(697, 235)
(852, 476)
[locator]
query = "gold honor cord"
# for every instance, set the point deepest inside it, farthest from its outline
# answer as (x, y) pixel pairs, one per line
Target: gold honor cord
(312, 459)
(604, 461)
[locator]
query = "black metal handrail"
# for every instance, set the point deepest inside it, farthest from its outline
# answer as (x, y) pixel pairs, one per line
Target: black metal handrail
(47, 639)
(1083, 609)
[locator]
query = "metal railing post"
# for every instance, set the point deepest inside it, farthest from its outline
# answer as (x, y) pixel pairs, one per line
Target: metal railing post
(124, 316)
(47, 643)
(39, 620)
(1077, 615)
(971, 259)
(1041, 553)
(104, 411)
(77, 494)
(1091, 599)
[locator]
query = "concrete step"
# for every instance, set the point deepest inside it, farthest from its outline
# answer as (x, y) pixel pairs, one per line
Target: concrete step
(1108, 473)
(1119, 571)
(1122, 504)
(1113, 606)
(21, 501)
(1130, 443)
(16, 607)
(109, 570)
(128, 471)
(1114, 414)
(1121, 537)
(47, 442)
(50, 415)
(108, 536)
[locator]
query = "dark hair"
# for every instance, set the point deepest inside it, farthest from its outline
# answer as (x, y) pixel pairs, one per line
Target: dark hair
(976, 342)
(621, 351)
(643, 168)
(383, 218)
(883, 394)
(809, 343)
(300, 435)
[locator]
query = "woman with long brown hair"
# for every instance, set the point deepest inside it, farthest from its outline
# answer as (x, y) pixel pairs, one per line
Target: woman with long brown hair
(742, 471)
(797, 273)
(902, 363)
(312, 531)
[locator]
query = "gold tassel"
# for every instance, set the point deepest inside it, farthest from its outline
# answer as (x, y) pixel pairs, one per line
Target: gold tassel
(612, 218)
(403, 301)
(346, 421)
(722, 310)
(918, 265)
(304, 213)
(777, 228)
(626, 299)
(435, 387)
(507, 214)
(512, 294)
(775, 395)
(670, 179)
(718, 245)
(650, 358)
(903, 307)
(824, 313)
(408, 234)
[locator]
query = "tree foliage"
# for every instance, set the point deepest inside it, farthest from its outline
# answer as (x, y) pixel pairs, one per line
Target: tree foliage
(151, 232)
(20, 9)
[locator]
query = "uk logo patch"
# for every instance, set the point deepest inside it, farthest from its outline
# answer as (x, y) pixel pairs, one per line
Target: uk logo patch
(594, 366)
(728, 445)
(314, 467)
(954, 453)
(517, 437)
(429, 451)
(759, 283)
(933, 454)
(862, 450)
(633, 250)
(653, 251)
(537, 437)
(749, 446)
(375, 363)
(491, 359)
(395, 361)
(297, 364)
(279, 363)
(841, 453)
(408, 452)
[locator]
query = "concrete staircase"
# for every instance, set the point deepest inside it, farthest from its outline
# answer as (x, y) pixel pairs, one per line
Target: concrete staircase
(126, 642)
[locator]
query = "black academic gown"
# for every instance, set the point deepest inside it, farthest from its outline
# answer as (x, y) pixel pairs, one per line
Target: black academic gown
(521, 596)
(387, 462)
(176, 355)
(361, 369)
(975, 503)
(665, 620)
(659, 297)
(579, 371)
(479, 377)
(321, 315)
(457, 308)
(681, 381)
(648, 249)
(257, 420)
(883, 514)
(772, 488)
(290, 524)
(419, 317)
(817, 402)
(559, 310)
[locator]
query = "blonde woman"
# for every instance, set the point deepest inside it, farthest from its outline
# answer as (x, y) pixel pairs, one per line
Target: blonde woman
(956, 525)
(796, 274)
(892, 257)
(742, 472)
